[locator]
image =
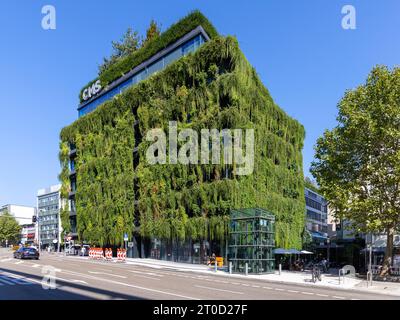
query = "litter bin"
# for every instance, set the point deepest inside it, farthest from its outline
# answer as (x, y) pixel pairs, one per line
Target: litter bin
(220, 261)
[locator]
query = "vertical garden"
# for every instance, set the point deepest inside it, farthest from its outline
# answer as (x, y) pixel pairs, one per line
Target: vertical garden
(212, 88)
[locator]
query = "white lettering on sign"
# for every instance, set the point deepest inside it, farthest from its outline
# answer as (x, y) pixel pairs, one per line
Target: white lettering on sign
(92, 90)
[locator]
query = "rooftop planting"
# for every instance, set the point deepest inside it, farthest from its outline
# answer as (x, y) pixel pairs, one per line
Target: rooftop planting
(176, 31)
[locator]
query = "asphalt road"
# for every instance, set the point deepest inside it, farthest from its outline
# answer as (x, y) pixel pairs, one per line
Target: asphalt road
(83, 279)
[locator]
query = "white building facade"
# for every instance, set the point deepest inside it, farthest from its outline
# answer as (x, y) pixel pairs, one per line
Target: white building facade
(49, 206)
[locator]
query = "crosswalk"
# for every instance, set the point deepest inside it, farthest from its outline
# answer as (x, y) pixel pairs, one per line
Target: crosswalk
(8, 280)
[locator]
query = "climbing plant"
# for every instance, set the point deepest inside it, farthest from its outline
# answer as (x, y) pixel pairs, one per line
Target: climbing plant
(214, 87)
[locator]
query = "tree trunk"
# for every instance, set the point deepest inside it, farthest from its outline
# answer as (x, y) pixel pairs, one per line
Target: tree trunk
(387, 263)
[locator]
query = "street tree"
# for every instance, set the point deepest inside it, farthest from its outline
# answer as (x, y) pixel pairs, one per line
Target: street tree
(357, 164)
(10, 230)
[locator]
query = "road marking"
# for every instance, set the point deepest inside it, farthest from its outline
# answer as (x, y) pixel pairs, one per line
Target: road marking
(337, 297)
(246, 285)
(6, 280)
(255, 286)
(210, 288)
(143, 276)
(129, 285)
(19, 262)
(107, 274)
(279, 289)
(5, 260)
(269, 288)
(293, 291)
(309, 293)
(36, 265)
(322, 295)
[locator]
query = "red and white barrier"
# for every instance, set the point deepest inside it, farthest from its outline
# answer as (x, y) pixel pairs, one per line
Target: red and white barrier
(108, 254)
(121, 255)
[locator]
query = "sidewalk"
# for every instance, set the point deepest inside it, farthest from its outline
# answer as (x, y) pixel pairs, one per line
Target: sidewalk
(303, 278)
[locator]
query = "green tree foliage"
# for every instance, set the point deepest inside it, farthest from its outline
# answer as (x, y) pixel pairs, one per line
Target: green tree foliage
(9, 228)
(215, 87)
(128, 44)
(152, 33)
(358, 162)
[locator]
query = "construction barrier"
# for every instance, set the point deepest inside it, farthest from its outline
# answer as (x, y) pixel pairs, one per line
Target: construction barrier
(108, 254)
(121, 255)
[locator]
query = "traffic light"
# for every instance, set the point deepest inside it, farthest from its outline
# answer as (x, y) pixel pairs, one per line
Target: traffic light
(34, 219)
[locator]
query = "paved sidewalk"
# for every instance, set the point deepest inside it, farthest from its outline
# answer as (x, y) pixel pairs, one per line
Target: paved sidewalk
(304, 278)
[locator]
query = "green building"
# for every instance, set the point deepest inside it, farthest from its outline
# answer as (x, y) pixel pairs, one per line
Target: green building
(191, 75)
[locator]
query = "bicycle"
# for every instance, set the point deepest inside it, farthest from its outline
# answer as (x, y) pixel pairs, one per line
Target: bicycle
(316, 274)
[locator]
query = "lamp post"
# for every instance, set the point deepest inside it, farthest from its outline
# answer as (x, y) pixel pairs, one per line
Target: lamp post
(328, 248)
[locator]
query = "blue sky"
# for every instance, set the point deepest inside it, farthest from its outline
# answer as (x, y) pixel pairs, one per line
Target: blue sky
(299, 49)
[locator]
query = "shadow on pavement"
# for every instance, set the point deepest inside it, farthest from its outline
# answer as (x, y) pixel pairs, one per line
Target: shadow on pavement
(36, 292)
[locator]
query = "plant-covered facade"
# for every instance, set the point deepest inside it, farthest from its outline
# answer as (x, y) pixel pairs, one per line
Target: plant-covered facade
(115, 190)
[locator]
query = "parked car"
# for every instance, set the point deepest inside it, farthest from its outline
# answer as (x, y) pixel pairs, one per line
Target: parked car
(26, 253)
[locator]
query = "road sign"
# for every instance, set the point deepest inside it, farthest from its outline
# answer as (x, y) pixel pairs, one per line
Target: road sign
(126, 237)
(130, 244)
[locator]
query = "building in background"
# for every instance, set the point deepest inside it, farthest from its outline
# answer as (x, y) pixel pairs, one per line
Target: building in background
(316, 216)
(24, 216)
(29, 234)
(49, 221)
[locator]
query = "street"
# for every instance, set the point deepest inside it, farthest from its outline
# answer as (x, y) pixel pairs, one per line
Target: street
(83, 279)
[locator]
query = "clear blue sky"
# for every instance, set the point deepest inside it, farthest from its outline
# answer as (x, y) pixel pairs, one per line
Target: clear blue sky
(302, 54)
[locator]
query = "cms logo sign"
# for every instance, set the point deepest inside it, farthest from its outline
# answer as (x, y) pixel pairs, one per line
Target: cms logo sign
(91, 90)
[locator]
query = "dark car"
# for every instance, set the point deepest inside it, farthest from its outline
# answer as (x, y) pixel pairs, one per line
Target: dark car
(26, 253)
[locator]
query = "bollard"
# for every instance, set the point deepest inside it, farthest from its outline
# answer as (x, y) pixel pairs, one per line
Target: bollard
(215, 266)
(280, 269)
(369, 279)
(230, 267)
(246, 270)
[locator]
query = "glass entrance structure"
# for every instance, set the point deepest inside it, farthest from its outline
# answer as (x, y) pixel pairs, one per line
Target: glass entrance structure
(252, 241)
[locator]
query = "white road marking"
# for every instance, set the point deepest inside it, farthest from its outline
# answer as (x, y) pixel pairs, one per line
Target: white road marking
(269, 288)
(36, 265)
(79, 281)
(129, 285)
(210, 288)
(322, 295)
(107, 274)
(254, 286)
(293, 291)
(19, 262)
(337, 297)
(6, 280)
(279, 289)
(5, 260)
(143, 276)
(309, 293)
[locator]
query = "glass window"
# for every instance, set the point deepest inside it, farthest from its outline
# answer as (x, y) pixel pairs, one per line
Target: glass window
(186, 48)
(156, 66)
